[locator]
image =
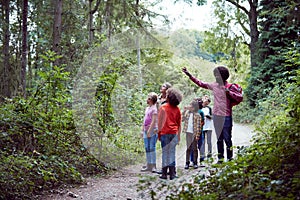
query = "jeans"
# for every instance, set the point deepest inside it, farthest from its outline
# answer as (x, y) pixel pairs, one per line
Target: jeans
(207, 136)
(201, 147)
(150, 147)
(223, 127)
(168, 145)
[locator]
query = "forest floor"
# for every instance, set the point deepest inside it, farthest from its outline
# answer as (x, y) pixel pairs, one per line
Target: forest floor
(124, 183)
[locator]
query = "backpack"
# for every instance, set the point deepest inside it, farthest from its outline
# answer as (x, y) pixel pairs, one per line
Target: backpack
(234, 93)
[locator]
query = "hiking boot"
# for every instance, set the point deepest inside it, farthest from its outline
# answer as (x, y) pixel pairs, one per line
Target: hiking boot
(172, 172)
(164, 173)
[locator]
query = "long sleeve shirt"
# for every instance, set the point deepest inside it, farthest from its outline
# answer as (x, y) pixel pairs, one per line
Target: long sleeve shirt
(169, 120)
(222, 105)
(196, 123)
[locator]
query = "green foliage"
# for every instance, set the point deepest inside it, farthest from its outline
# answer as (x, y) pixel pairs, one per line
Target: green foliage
(280, 33)
(39, 147)
(269, 168)
(228, 40)
(22, 175)
(110, 128)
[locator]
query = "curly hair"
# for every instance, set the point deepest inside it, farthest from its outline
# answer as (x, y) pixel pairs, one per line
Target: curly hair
(174, 96)
(221, 71)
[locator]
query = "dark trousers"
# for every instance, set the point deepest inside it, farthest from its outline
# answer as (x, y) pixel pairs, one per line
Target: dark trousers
(223, 128)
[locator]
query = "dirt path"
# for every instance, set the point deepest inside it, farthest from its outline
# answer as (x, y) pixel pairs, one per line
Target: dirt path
(123, 184)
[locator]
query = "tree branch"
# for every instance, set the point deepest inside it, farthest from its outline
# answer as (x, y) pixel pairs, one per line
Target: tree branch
(238, 6)
(96, 7)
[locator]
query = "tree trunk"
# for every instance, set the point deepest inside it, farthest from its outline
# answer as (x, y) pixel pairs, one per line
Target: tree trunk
(6, 76)
(108, 18)
(252, 16)
(57, 27)
(254, 33)
(90, 22)
(91, 19)
(24, 47)
(138, 47)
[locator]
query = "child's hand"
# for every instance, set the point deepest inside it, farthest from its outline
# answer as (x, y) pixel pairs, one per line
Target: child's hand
(186, 72)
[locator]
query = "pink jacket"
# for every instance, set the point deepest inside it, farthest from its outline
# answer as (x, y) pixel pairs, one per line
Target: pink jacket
(222, 105)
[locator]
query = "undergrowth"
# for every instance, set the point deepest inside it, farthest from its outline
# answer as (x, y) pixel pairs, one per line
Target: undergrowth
(268, 169)
(41, 147)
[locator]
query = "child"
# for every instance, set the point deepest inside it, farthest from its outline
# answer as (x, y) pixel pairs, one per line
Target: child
(149, 132)
(201, 138)
(222, 110)
(207, 128)
(192, 128)
(162, 100)
(169, 128)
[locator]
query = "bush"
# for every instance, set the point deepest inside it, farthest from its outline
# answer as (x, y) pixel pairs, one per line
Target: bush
(269, 169)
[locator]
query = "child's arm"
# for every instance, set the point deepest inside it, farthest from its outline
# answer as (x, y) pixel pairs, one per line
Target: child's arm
(142, 132)
(196, 81)
(179, 127)
(179, 132)
(161, 120)
(199, 127)
(154, 116)
(208, 116)
(202, 119)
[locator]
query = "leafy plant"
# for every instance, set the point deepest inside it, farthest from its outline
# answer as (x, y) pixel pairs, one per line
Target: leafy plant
(39, 147)
(268, 169)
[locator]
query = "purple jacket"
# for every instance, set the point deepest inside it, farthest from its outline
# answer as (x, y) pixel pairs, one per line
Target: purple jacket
(222, 105)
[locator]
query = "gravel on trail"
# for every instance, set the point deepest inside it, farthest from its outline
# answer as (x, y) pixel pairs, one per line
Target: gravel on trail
(124, 183)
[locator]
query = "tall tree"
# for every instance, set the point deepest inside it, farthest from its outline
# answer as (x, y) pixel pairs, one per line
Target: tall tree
(57, 28)
(252, 14)
(92, 11)
(24, 47)
(6, 67)
(280, 22)
(245, 16)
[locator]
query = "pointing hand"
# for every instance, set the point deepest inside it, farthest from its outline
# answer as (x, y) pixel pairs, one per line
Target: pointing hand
(186, 72)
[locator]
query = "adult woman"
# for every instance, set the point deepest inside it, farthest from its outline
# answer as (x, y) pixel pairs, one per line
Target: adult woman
(163, 93)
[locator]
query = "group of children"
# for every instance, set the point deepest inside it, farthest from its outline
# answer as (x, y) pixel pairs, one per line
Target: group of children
(163, 120)
(197, 119)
